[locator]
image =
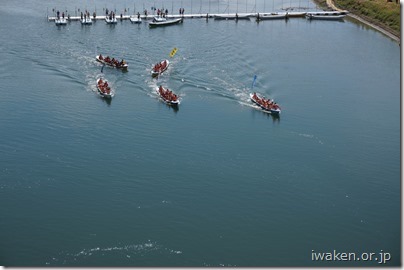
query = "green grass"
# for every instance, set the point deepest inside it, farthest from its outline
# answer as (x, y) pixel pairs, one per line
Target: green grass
(380, 12)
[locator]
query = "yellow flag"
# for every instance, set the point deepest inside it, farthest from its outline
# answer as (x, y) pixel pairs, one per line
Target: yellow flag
(173, 52)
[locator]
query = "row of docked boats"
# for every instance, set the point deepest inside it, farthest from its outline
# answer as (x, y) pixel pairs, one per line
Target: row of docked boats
(322, 15)
(163, 21)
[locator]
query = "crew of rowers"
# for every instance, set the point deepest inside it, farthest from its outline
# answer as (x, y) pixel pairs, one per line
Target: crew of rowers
(267, 103)
(159, 67)
(167, 94)
(112, 61)
(104, 87)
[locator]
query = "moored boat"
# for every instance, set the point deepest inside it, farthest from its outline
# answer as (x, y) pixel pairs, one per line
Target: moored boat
(326, 15)
(103, 88)
(232, 17)
(168, 96)
(272, 16)
(158, 21)
(86, 21)
(112, 62)
(268, 105)
(160, 67)
(60, 21)
(110, 20)
(135, 19)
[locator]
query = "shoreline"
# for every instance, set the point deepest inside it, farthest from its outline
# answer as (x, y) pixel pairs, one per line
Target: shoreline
(387, 32)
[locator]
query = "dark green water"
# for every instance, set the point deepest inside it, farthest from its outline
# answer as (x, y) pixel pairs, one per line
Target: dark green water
(133, 182)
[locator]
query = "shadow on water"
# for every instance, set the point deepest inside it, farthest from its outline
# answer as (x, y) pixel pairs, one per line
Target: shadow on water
(276, 118)
(106, 100)
(175, 108)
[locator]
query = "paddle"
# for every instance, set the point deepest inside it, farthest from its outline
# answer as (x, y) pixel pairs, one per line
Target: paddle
(253, 83)
(173, 52)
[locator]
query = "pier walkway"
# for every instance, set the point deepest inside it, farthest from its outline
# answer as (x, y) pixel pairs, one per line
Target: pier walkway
(185, 16)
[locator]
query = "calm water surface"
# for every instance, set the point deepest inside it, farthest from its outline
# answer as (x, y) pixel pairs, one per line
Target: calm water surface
(132, 182)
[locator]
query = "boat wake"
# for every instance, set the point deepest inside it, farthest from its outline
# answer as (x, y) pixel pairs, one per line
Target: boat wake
(128, 252)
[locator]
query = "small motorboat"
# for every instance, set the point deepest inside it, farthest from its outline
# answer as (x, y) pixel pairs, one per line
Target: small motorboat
(112, 62)
(159, 21)
(159, 68)
(60, 21)
(268, 105)
(103, 88)
(110, 20)
(86, 21)
(135, 19)
(168, 96)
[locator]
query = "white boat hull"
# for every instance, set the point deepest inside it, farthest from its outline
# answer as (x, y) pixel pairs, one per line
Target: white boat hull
(86, 21)
(169, 102)
(163, 22)
(111, 21)
(273, 111)
(135, 20)
(156, 73)
(104, 94)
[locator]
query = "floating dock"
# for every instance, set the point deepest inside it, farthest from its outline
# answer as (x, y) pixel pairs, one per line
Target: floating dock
(185, 16)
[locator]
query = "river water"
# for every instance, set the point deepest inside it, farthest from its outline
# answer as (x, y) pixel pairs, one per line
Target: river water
(133, 182)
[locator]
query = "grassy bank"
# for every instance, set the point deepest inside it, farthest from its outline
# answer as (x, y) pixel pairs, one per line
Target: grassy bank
(379, 12)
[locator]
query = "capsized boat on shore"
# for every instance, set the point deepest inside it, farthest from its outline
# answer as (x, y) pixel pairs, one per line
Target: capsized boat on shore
(160, 67)
(268, 105)
(103, 88)
(168, 96)
(116, 64)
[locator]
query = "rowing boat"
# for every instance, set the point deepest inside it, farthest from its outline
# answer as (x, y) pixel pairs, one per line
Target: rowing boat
(123, 67)
(159, 68)
(168, 96)
(267, 105)
(103, 88)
